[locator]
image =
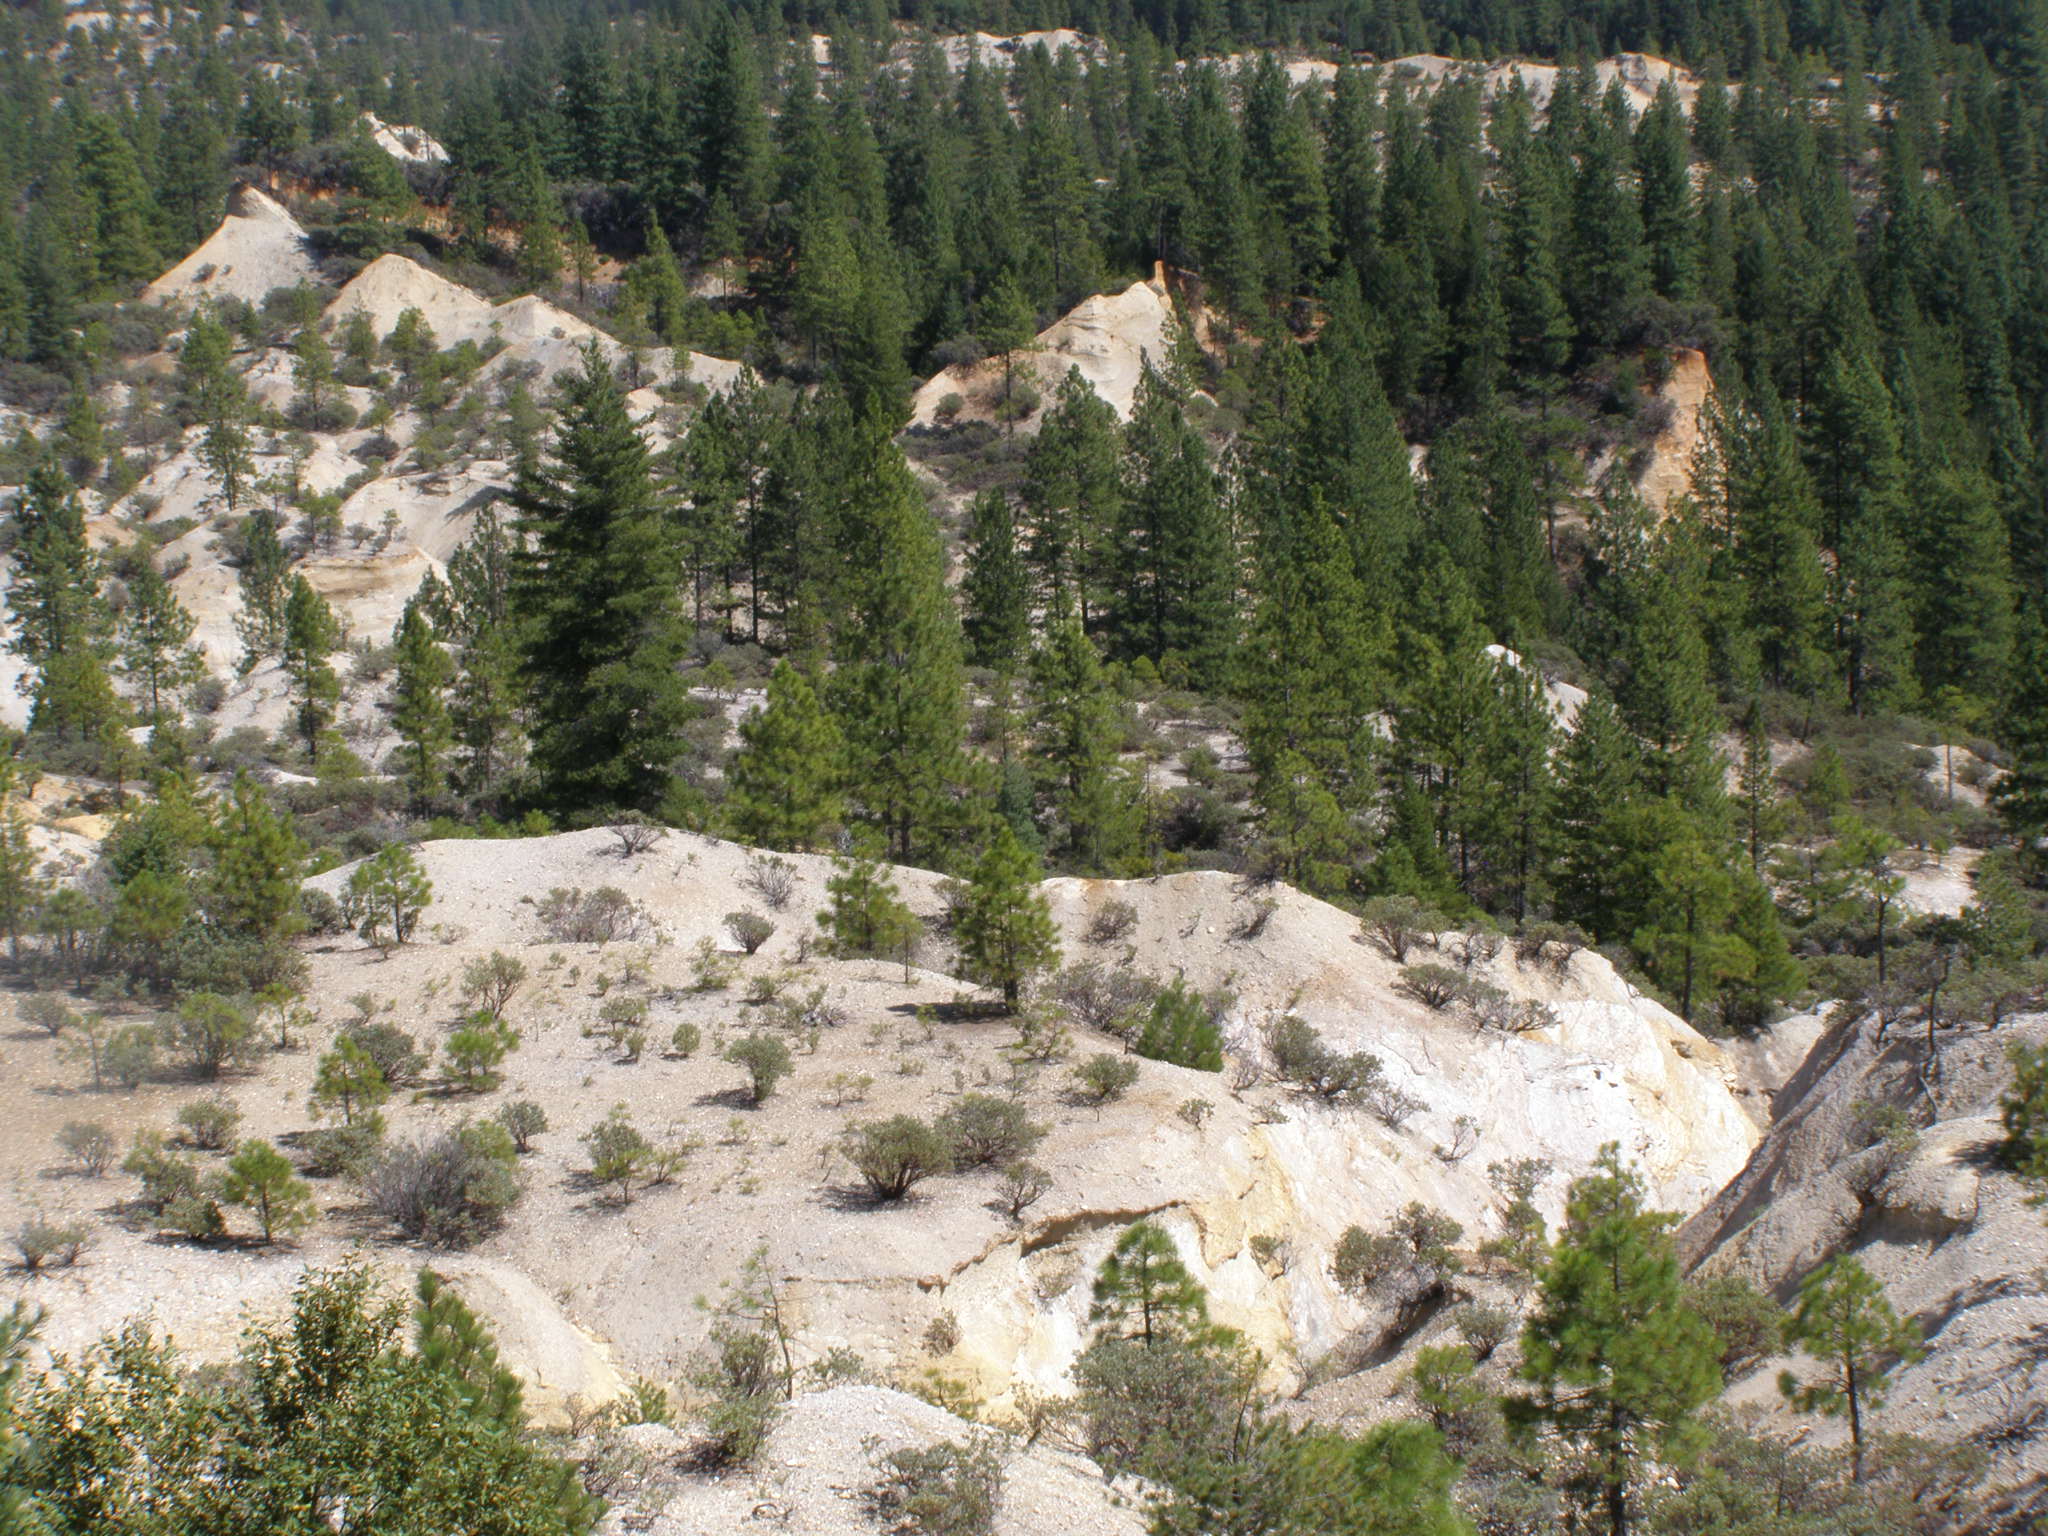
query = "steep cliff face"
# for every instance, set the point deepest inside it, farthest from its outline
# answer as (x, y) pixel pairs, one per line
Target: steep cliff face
(1931, 1213)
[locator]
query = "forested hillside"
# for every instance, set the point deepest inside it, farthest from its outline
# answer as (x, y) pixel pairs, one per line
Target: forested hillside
(1532, 478)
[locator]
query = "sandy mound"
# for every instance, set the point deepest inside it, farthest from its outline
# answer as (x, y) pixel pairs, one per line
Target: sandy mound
(827, 1449)
(258, 247)
(1108, 337)
(392, 284)
(535, 335)
(1666, 474)
(408, 146)
(999, 52)
(1565, 699)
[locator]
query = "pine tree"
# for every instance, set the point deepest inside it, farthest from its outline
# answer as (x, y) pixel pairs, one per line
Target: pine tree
(265, 579)
(598, 596)
(253, 889)
(1176, 581)
(419, 701)
(1095, 802)
(1349, 451)
(1144, 1293)
(155, 638)
(1621, 1363)
(311, 635)
(1073, 494)
(218, 401)
(1310, 673)
(1663, 171)
(483, 707)
(2020, 797)
(656, 279)
(1608, 271)
(61, 628)
(996, 588)
(783, 783)
(22, 885)
(1600, 782)
(899, 691)
(1843, 1320)
(1686, 933)
(538, 213)
(120, 201)
(867, 916)
(348, 1080)
(1748, 1000)
(313, 372)
(1756, 795)
(1962, 587)
(451, 1341)
(1006, 325)
(732, 134)
(1005, 930)
(1772, 511)
(1515, 825)
(262, 1178)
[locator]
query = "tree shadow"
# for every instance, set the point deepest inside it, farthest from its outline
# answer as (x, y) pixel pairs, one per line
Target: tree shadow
(727, 1098)
(858, 1197)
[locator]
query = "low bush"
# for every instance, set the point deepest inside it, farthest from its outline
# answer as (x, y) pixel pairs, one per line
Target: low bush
(523, 1120)
(89, 1144)
(449, 1190)
(895, 1155)
(1436, 987)
(765, 1060)
(982, 1129)
(1023, 1186)
(739, 1372)
(394, 1052)
(1110, 923)
(1182, 1028)
(606, 915)
(41, 1244)
(1104, 1078)
(750, 930)
(1111, 998)
(210, 1123)
(166, 1177)
(948, 1489)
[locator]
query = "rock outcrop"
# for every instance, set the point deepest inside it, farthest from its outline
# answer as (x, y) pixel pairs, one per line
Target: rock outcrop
(1930, 1212)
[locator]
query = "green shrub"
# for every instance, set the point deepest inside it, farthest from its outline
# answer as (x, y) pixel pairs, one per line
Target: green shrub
(982, 1129)
(895, 1155)
(1105, 1078)
(210, 1123)
(166, 1177)
(90, 1144)
(130, 1056)
(948, 1489)
(211, 1032)
(685, 1040)
(474, 1052)
(394, 1052)
(766, 1062)
(1181, 1028)
(449, 1190)
(40, 1244)
(523, 1120)
(749, 930)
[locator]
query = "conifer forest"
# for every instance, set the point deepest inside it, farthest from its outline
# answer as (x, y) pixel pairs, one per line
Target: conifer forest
(1318, 728)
